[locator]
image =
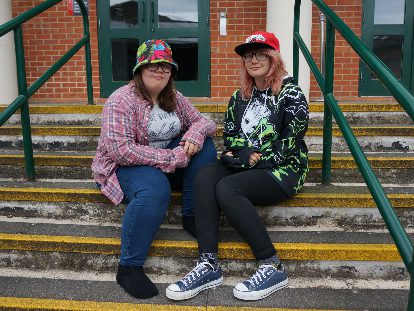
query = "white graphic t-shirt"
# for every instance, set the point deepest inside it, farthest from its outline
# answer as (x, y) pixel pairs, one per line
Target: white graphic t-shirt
(162, 127)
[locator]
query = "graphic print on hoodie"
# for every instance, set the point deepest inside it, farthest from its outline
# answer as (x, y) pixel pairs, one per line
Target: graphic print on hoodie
(252, 116)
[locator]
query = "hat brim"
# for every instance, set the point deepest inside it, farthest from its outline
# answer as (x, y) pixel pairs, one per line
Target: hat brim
(174, 64)
(242, 48)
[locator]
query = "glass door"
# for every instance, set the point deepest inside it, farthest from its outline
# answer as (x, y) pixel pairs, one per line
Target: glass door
(388, 32)
(184, 24)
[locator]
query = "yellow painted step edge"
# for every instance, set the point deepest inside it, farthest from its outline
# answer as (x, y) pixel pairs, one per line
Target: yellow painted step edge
(338, 162)
(212, 108)
(301, 200)
(14, 303)
(227, 250)
(312, 131)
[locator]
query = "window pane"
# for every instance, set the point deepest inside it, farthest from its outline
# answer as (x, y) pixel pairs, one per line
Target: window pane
(177, 13)
(389, 50)
(389, 12)
(185, 53)
(124, 13)
(123, 58)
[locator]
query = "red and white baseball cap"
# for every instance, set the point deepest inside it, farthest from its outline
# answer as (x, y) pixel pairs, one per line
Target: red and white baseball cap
(259, 39)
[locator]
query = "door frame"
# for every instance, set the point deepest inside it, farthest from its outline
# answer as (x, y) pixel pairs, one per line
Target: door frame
(371, 87)
(146, 29)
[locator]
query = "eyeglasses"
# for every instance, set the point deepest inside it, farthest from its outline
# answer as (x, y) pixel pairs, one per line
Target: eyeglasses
(164, 66)
(260, 56)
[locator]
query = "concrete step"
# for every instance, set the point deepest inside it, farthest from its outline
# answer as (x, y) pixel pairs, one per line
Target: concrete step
(356, 113)
(58, 246)
(396, 168)
(80, 130)
(23, 293)
(346, 206)
(84, 138)
(86, 191)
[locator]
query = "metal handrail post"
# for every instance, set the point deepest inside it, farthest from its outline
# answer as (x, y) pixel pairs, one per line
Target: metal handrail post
(410, 306)
(24, 109)
(296, 24)
(327, 114)
(88, 61)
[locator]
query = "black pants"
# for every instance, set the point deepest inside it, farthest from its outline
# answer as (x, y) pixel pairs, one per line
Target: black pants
(236, 193)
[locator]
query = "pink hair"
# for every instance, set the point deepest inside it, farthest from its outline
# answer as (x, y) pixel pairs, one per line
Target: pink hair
(274, 77)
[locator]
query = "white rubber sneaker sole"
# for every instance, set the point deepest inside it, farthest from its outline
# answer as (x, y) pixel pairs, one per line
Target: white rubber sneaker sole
(176, 295)
(260, 294)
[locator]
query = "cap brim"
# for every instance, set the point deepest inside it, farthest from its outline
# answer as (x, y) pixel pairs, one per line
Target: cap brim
(242, 48)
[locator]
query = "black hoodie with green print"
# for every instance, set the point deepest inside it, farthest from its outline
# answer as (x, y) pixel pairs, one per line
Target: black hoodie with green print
(273, 125)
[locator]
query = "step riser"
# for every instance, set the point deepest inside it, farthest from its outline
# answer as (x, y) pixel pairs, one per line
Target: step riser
(368, 144)
(315, 118)
(178, 267)
(315, 144)
(389, 176)
(277, 217)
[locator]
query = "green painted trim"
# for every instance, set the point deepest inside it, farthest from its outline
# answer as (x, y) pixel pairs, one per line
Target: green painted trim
(374, 87)
(147, 29)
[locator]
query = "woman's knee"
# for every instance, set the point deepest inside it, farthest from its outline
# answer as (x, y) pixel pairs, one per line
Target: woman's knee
(150, 204)
(226, 191)
(147, 186)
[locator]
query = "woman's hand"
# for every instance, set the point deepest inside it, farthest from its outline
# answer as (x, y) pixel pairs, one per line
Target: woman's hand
(254, 158)
(190, 149)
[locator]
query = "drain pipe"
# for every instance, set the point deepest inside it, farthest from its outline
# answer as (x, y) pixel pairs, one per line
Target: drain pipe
(322, 48)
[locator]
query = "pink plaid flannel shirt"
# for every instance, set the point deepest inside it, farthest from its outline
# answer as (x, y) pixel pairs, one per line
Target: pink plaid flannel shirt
(124, 138)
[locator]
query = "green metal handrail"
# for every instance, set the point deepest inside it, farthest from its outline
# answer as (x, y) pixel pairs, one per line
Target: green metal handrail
(21, 102)
(331, 107)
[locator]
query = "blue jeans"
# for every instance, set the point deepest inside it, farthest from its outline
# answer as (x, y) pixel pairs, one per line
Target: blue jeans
(147, 192)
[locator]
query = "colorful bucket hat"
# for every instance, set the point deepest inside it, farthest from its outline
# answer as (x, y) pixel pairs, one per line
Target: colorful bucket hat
(259, 39)
(154, 51)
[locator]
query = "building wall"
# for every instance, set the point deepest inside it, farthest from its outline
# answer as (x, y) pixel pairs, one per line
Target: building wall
(243, 18)
(346, 60)
(50, 34)
(53, 32)
(46, 38)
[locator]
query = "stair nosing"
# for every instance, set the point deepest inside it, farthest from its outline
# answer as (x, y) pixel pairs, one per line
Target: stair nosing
(227, 250)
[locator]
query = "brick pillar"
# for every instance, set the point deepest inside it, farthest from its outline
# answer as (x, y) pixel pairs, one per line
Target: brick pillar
(8, 77)
(280, 15)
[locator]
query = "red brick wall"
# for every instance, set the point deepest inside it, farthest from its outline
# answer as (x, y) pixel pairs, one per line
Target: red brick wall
(46, 38)
(243, 18)
(346, 60)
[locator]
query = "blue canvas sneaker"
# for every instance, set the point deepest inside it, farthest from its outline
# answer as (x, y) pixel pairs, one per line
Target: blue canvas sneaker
(265, 281)
(202, 277)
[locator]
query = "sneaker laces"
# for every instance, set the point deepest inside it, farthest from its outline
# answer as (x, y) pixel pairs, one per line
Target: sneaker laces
(196, 272)
(260, 274)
